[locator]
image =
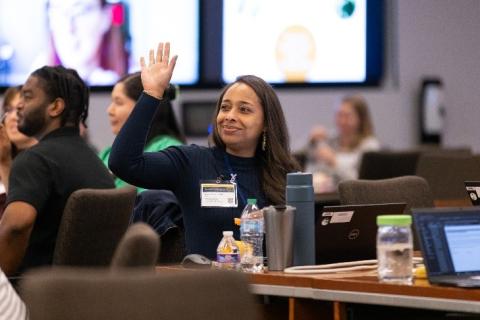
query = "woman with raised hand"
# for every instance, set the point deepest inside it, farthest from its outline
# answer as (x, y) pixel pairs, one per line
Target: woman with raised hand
(250, 157)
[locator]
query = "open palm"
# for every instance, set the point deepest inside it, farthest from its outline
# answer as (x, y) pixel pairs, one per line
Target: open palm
(157, 74)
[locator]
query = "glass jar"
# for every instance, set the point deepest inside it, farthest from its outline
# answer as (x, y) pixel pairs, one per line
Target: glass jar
(395, 249)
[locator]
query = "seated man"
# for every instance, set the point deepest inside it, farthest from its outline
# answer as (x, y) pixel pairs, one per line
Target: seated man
(53, 102)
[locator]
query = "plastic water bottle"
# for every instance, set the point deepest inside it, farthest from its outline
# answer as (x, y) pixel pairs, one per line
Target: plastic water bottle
(251, 234)
(228, 254)
(395, 249)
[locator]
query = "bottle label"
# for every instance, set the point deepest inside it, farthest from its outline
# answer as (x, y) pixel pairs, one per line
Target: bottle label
(252, 226)
(228, 258)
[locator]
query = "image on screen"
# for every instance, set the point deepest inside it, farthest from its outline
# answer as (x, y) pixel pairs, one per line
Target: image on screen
(295, 42)
(102, 40)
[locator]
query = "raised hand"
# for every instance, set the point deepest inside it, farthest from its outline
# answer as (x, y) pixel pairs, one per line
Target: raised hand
(157, 74)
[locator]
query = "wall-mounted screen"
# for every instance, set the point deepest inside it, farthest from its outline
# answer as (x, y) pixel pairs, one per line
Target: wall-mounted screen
(101, 39)
(301, 42)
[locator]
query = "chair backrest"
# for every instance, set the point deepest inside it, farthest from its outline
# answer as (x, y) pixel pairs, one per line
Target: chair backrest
(446, 174)
(161, 210)
(93, 222)
(412, 190)
(139, 247)
(92, 294)
(388, 164)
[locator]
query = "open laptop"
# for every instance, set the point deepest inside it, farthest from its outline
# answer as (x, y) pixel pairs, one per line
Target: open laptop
(450, 244)
(349, 232)
(473, 191)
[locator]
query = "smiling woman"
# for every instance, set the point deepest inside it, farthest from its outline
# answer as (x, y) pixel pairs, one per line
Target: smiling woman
(250, 159)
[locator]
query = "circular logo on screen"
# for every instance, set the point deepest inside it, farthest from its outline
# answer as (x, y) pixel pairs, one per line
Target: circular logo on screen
(346, 8)
(325, 221)
(354, 234)
(473, 195)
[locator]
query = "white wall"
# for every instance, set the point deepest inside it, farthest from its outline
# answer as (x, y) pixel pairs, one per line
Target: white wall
(423, 38)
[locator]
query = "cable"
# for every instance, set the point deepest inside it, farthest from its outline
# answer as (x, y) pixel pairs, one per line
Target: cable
(339, 267)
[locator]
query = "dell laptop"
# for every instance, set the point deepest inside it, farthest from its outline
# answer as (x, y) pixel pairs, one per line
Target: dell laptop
(349, 232)
(473, 191)
(450, 244)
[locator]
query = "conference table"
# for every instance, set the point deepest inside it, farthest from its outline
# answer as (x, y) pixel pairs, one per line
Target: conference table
(325, 296)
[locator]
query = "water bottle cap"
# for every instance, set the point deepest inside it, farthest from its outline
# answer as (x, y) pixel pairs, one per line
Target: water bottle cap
(394, 220)
(251, 201)
(227, 233)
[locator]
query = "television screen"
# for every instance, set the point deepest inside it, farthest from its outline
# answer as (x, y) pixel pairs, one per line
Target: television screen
(197, 117)
(102, 40)
(301, 42)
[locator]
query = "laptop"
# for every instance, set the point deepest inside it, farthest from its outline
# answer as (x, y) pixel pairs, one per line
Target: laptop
(349, 232)
(450, 244)
(473, 191)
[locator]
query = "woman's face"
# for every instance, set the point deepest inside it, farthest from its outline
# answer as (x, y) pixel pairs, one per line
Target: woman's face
(240, 120)
(120, 107)
(347, 120)
(11, 124)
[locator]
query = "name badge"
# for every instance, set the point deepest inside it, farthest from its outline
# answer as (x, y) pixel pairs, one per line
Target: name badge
(218, 195)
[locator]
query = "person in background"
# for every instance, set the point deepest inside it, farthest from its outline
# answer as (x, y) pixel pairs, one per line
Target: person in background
(164, 131)
(12, 142)
(54, 100)
(333, 159)
(89, 36)
(250, 157)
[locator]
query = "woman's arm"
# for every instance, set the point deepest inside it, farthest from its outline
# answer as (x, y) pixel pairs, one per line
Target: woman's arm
(129, 162)
(127, 159)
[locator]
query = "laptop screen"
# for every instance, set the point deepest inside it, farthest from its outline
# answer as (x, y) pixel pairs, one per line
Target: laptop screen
(449, 239)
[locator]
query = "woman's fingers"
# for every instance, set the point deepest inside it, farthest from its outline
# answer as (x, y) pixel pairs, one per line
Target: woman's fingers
(166, 52)
(160, 52)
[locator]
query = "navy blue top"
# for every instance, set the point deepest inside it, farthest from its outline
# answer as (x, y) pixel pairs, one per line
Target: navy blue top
(181, 169)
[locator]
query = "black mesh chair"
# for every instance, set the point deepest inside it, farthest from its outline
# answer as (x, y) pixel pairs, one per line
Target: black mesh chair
(388, 164)
(93, 222)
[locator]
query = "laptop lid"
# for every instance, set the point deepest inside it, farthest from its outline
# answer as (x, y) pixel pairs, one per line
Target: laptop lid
(349, 232)
(449, 240)
(473, 191)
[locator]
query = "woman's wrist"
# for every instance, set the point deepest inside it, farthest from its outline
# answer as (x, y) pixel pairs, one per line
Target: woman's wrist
(154, 94)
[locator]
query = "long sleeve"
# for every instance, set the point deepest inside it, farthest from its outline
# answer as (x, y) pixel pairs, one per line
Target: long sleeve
(128, 161)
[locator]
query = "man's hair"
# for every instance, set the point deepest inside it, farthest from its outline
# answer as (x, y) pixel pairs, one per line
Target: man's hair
(66, 84)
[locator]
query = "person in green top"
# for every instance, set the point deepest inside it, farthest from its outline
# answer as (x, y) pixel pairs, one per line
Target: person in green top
(164, 132)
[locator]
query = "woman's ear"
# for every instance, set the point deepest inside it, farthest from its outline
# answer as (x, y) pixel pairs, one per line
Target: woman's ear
(57, 107)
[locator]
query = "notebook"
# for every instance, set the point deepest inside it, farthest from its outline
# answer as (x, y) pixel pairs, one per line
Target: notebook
(349, 232)
(450, 243)
(473, 191)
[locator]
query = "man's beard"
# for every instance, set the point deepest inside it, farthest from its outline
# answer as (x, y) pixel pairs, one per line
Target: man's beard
(33, 123)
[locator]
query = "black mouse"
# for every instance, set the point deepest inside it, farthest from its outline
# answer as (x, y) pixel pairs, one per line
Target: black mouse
(196, 261)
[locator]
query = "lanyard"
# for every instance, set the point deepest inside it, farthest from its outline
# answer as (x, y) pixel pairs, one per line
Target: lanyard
(233, 178)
